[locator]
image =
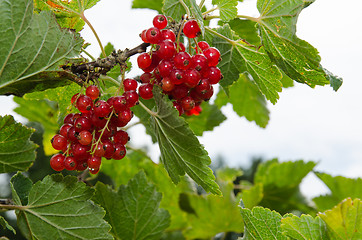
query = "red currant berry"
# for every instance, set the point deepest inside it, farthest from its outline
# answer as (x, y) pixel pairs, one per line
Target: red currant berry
(84, 103)
(199, 62)
(180, 91)
(69, 119)
(131, 98)
(203, 45)
(64, 129)
(144, 60)
(168, 34)
(59, 142)
(82, 123)
(99, 122)
(191, 29)
(179, 108)
(72, 134)
(167, 49)
(160, 21)
(120, 103)
(145, 91)
(108, 148)
(120, 151)
(167, 85)
(153, 35)
(180, 47)
(164, 68)
(187, 103)
(146, 77)
(92, 91)
(203, 86)
(75, 97)
(69, 163)
(82, 165)
(143, 36)
(80, 151)
(99, 150)
(213, 56)
(125, 116)
(93, 170)
(121, 137)
(208, 94)
(85, 137)
(182, 60)
(102, 109)
(94, 162)
(214, 75)
(129, 84)
(177, 76)
(192, 78)
(57, 162)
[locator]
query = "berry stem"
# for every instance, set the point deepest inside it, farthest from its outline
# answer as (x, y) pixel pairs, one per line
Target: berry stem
(147, 109)
(201, 4)
(131, 125)
(186, 8)
(81, 177)
(178, 37)
(100, 136)
(209, 11)
(108, 78)
(88, 54)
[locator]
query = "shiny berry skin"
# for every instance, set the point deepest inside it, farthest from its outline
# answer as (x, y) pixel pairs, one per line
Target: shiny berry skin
(159, 21)
(102, 109)
(72, 134)
(64, 129)
(98, 121)
(121, 137)
(199, 62)
(203, 86)
(75, 97)
(146, 77)
(164, 68)
(214, 75)
(180, 47)
(69, 163)
(125, 116)
(143, 36)
(153, 35)
(192, 78)
(69, 118)
(120, 103)
(191, 29)
(167, 84)
(82, 123)
(109, 149)
(213, 56)
(130, 84)
(179, 108)
(82, 165)
(85, 137)
(120, 151)
(99, 150)
(92, 91)
(93, 170)
(94, 162)
(84, 104)
(59, 142)
(80, 151)
(187, 103)
(145, 91)
(167, 49)
(203, 45)
(131, 98)
(177, 76)
(168, 34)
(182, 60)
(57, 162)
(180, 91)
(144, 60)
(208, 94)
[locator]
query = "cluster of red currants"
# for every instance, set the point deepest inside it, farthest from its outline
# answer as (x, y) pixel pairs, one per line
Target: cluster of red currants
(186, 77)
(95, 132)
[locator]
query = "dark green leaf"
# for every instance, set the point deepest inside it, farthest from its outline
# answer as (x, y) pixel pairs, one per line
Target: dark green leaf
(6, 225)
(134, 211)
(344, 221)
(181, 151)
(261, 223)
(227, 8)
(59, 208)
(247, 101)
(209, 118)
(149, 4)
(20, 187)
(145, 117)
(304, 227)
(17, 152)
(246, 29)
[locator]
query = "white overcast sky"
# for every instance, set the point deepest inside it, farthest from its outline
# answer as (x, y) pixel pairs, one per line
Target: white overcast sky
(310, 124)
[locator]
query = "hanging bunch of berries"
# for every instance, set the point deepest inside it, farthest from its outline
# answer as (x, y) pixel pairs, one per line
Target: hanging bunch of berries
(187, 77)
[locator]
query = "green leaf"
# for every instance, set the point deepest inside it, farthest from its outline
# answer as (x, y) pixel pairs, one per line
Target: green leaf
(59, 208)
(228, 174)
(67, 12)
(145, 117)
(344, 221)
(246, 29)
(6, 225)
(262, 223)
(238, 57)
(25, 65)
(209, 118)
(341, 188)
(149, 4)
(247, 101)
(17, 152)
(20, 187)
(252, 197)
(181, 151)
(227, 8)
(133, 211)
(297, 58)
(196, 13)
(174, 9)
(213, 214)
(304, 227)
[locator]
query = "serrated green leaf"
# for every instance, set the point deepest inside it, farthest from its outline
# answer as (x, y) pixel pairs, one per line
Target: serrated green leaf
(228, 174)
(25, 65)
(297, 58)
(122, 171)
(238, 57)
(209, 118)
(204, 224)
(149, 4)
(227, 8)
(145, 117)
(246, 29)
(20, 187)
(252, 197)
(6, 225)
(344, 221)
(181, 151)
(304, 227)
(174, 9)
(17, 152)
(59, 208)
(247, 101)
(133, 211)
(341, 188)
(262, 223)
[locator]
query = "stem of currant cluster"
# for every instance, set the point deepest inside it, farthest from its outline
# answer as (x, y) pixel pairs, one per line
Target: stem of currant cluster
(100, 136)
(88, 54)
(209, 11)
(186, 8)
(201, 3)
(147, 109)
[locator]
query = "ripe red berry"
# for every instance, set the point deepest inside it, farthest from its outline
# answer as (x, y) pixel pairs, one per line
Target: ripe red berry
(57, 162)
(99, 122)
(160, 21)
(168, 34)
(59, 142)
(120, 151)
(129, 84)
(75, 97)
(80, 151)
(164, 68)
(81, 165)
(143, 36)
(167, 49)
(69, 163)
(153, 35)
(125, 116)
(82, 123)
(84, 103)
(64, 129)
(102, 109)
(108, 148)
(203, 86)
(85, 137)
(180, 47)
(92, 91)
(199, 62)
(93, 170)
(121, 137)
(182, 60)
(212, 55)
(146, 77)
(192, 78)
(144, 60)
(72, 134)
(203, 45)
(131, 98)
(213, 75)
(94, 162)
(99, 150)
(180, 91)
(145, 91)
(179, 108)
(69, 118)
(120, 103)
(167, 84)
(177, 76)
(187, 103)
(191, 29)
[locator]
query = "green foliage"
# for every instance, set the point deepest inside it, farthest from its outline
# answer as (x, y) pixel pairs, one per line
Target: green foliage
(304, 227)
(58, 208)
(246, 29)
(27, 66)
(149, 4)
(17, 152)
(227, 8)
(133, 211)
(6, 225)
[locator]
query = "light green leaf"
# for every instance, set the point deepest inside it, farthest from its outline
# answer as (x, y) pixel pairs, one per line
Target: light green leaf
(133, 211)
(246, 29)
(174, 9)
(181, 151)
(6, 225)
(304, 227)
(341, 188)
(209, 118)
(238, 57)
(25, 65)
(17, 152)
(227, 8)
(252, 197)
(247, 101)
(149, 4)
(59, 208)
(261, 223)
(145, 117)
(228, 174)
(297, 58)
(344, 221)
